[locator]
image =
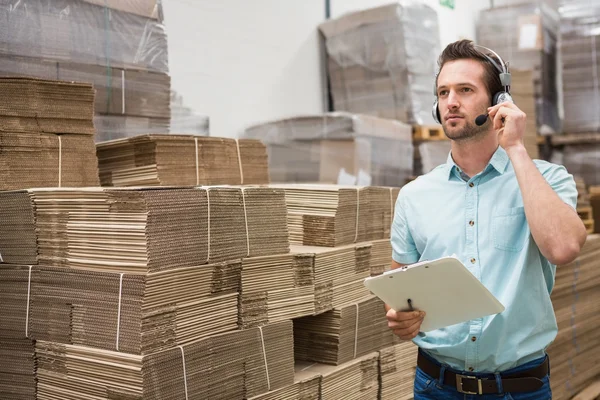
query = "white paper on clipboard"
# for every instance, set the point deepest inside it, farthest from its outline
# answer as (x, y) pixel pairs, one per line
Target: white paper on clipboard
(444, 288)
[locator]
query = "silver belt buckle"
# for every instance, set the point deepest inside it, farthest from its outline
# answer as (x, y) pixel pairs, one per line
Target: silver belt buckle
(459, 384)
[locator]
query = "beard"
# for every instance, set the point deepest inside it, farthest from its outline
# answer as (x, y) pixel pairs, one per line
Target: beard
(469, 131)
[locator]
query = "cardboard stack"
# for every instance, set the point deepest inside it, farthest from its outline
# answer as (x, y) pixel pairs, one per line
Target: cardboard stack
(381, 61)
(275, 288)
(138, 314)
(46, 134)
(523, 93)
(381, 251)
(334, 215)
(142, 230)
(307, 389)
(338, 273)
(526, 36)
(397, 365)
(576, 298)
(341, 335)
(337, 148)
(120, 47)
(356, 379)
(17, 363)
(233, 365)
(579, 47)
(165, 160)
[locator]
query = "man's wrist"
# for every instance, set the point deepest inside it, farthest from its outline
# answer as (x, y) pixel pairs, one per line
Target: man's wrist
(516, 150)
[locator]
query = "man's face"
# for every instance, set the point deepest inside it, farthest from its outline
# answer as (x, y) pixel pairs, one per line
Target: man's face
(462, 96)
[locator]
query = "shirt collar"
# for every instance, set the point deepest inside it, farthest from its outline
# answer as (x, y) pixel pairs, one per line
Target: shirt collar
(499, 161)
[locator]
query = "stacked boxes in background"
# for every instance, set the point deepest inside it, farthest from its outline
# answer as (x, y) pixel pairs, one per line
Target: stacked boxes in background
(580, 54)
(337, 148)
(526, 36)
(382, 61)
(118, 46)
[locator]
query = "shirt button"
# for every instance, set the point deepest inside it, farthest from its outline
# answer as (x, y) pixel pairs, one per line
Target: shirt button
(471, 223)
(471, 369)
(473, 261)
(473, 339)
(471, 184)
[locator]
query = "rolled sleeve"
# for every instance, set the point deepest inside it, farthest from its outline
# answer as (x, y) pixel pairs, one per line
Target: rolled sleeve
(563, 184)
(404, 250)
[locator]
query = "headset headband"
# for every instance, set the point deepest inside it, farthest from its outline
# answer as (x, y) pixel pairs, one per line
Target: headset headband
(504, 74)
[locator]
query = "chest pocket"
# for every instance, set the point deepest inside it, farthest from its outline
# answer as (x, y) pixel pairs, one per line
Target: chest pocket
(509, 228)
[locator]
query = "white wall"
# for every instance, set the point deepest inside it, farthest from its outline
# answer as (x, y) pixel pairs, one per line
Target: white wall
(241, 62)
(244, 62)
(454, 24)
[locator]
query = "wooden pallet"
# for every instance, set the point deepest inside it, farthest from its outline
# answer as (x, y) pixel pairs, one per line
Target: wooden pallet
(428, 132)
(585, 213)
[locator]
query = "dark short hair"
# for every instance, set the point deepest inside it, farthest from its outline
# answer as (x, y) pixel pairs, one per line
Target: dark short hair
(464, 50)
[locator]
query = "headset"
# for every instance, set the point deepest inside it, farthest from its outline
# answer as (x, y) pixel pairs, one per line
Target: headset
(498, 98)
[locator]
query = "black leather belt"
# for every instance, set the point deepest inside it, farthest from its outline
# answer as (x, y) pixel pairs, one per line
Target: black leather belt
(524, 381)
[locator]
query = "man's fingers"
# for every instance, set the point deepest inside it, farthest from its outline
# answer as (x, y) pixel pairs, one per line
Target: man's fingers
(409, 332)
(399, 316)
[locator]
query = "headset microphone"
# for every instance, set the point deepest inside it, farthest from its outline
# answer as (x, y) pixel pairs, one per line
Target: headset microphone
(480, 120)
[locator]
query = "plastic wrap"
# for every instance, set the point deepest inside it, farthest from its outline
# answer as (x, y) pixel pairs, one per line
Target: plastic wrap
(582, 160)
(429, 155)
(119, 46)
(84, 32)
(341, 148)
(382, 61)
(580, 54)
(525, 36)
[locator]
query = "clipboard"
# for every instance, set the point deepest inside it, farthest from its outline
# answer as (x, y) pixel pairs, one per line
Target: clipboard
(444, 288)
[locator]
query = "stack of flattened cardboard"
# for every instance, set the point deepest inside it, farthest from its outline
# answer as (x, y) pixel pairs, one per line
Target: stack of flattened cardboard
(182, 160)
(138, 314)
(338, 273)
(17, 364)
(120, 47)
(307, 389)
(579, 49)
(381, 61)
(17, 369)
(356, 379)
(334, 215)
(576, 299)
(397, 365)
(337, 148)
(523, 93)
(46, 134)
(381, 253)
(141, 230)
(342, 334)
(525, 35)
(275, 288)
(233, 365)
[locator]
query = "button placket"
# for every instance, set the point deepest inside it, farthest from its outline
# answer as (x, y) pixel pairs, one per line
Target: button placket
(472, 254)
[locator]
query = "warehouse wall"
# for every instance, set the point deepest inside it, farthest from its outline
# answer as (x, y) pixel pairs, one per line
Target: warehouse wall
(243, 62)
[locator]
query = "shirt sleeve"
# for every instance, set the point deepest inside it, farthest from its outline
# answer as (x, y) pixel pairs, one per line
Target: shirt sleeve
(404, 250)
(563, 184)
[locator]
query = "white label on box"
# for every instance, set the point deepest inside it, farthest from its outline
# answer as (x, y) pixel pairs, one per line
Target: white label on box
(364, 179)
(528, 36)
(345, 178)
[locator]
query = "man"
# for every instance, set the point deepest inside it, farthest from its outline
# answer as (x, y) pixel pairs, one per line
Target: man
(509, 219)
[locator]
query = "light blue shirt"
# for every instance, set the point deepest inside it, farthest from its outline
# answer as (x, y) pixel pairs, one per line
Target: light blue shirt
(483, 222)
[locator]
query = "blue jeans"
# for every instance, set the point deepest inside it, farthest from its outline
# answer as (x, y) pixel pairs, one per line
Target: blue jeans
(427, 388)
